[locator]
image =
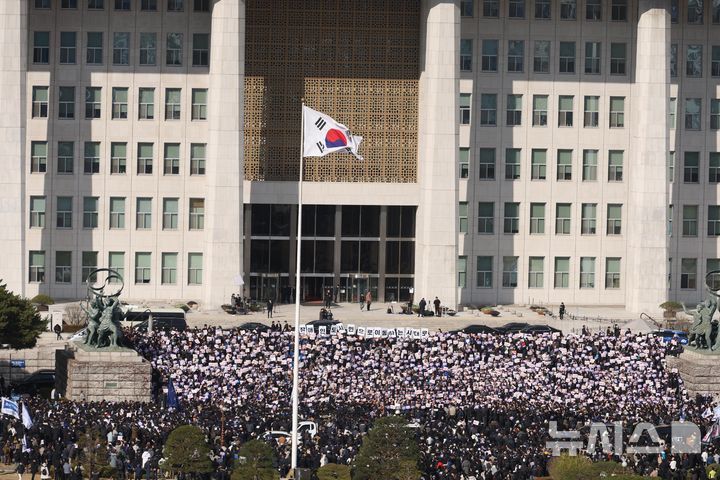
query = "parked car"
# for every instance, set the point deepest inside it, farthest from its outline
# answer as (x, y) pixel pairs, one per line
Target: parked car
(477, 329)
(163, 323)
(512, 327)
(40, 383)
(254, 327)
(306, 426)
(540, 329)
(668, 335)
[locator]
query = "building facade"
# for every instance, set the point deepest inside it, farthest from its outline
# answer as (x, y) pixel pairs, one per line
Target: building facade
(516, 151)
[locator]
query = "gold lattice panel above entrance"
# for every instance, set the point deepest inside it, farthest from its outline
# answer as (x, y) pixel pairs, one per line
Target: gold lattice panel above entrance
(354, 60)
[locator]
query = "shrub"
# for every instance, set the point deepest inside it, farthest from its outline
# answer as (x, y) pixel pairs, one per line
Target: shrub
(42, 299)
(389, 451)
(187, 451)
(567, 467)
(259, 458)
(74, 316)
(671, 306)
(333, 471)
(20, 323)
(183, 306)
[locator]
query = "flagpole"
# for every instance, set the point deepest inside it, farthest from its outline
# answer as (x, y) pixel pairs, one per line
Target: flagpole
(296, 349)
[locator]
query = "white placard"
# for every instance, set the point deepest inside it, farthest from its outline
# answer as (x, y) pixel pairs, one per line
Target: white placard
(351, 329)
(424, 333)
(400, 332)
(361, 331)
(333, 329)
(322, 330)
(415, 333)
(391, 333)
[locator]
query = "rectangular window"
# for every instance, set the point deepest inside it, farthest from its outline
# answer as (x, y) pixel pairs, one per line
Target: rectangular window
(63, 267)
(538, 164)
(197, 213)
(618, 12)
(145, 159)
(486, 217)
(38, 157)
(592, 111)
(201, 50)
(489, 55)
(94, 53)
(197, 159)
(41, 47)
(564, 165)
(688, 273)
(66, 106)
(693, 110)
(118, 158)
(463, 217)
(169, 268)
(173, 52)
(671, 166)
(565, 111)
(121, 48)
(514, 110)
(96, 4)
(119, 102)
(147, 104)
(89, 265)
(37, 212)
(464, 109)
(142, 267)
(484, 272)
(695, 10)
(690, 221)
(91, 160)
(543, 9)
(590, 165)
(467, 8)
(199, 104)
(116, 261)
(93, 102)
(488, 109)
(148, 48)
(541, 57)
(148, 5)
(511, 222)
(466, 54)
(562, 272)
(714, 114)
(516, 56)
(713, 220)
(672, 113)
(612, 272)
(90, 212)
(42, 4)
(195, 268)
(512, 164)
(66, 158)
(674, 11)
(618, 58)
(691, 167)
(587, 272)
(670, 220)
(589, 219)
(40, 102)
(693, 63)
(711, 265)
(63, 218)
(673, 60)
(486, 164)
(563, 216)
(510, 272)
(491, 8)
(568, 9)
(537, 218)
(714, 167)
(175, 5)
(567, 57)
(540, 110)
(462, 271)
(170, 214)
(614, 219)
(68, 48)
(36, 266)
(715, 65)
(117, 212)
(715, 6)
(615, 165)
(535, 272)
(464, 162)
(171, 164)
(172, 104)
(122, 5)
(143, 219)
(592, 57)
(593, 10)
(617, 112)
(516, 9)
(68, 3)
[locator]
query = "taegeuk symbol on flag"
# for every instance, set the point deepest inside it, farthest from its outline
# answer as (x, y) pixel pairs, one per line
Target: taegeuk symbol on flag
(323, 135)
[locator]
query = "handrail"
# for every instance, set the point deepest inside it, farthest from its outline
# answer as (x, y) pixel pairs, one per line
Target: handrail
(655, 322)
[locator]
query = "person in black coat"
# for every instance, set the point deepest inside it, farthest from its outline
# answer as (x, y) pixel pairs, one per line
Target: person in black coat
(421, 305)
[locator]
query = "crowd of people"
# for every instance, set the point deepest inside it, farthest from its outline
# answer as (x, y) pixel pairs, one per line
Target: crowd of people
(480, 404)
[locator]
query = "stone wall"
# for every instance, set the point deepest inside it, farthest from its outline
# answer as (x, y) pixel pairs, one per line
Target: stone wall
(35, 359)
(699, 371)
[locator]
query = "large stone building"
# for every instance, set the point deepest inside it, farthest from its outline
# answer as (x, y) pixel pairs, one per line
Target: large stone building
(515, 150)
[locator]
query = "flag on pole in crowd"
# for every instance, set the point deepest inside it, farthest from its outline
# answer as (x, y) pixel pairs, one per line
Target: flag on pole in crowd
(9, 407)
(713, 432)
(26, 418)
(323, 135)
(25, 447)
(172, 400)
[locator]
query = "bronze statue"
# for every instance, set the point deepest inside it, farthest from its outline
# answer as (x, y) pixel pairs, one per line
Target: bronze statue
(103, 311)
(703, 326)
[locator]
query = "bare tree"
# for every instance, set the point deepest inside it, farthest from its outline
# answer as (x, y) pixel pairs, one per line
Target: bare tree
(74, 316)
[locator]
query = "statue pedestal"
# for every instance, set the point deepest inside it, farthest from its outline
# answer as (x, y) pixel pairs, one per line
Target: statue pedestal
(115, 375)
(699, 371)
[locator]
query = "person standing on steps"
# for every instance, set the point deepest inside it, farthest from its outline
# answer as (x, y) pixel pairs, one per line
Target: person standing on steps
(436, 304)
(269, 306)
(421, 307)
(562, 310)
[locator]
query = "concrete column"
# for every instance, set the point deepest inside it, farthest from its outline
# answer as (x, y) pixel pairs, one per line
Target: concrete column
(13, 66)
(436, 229)
(292, 251)
(382, 255)
(246, 249)
(225, 165)
(645, 265)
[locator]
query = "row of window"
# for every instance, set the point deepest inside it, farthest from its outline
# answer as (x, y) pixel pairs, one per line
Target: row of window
(485, 266)
(567, 62)
(147, 48)
(486, 164)
(118, 164)
(540, 110)
(117, 210)
(542, 10)
(120, 100)
(126, 5)
(116, 260)
(690, 216)
(692, 167)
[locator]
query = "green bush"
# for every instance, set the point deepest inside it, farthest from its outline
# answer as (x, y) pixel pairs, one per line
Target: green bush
(567, 467)
(183, 306)
(20, 323)
(42, 299)
(333, 471)
(671, 306)
(389, 452)
(258, 465)
(187, 451)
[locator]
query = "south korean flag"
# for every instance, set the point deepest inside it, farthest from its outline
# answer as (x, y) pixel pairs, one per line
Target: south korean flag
(323, 135)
